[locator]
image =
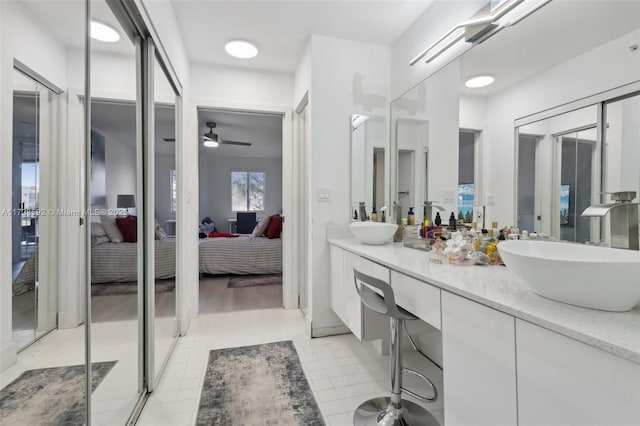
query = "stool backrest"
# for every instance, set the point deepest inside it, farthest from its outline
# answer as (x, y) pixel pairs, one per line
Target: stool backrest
(385, 304)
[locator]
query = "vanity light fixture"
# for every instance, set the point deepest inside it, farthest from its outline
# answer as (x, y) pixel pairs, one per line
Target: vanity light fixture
(477, 29)
(479, 81)
(241, 49)
(104, 32)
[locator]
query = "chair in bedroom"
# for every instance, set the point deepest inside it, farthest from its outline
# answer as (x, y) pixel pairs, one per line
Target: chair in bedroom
(245, 222)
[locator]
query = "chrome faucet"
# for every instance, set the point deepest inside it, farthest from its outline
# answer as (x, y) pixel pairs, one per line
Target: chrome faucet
(362, 211)
(623, 219)
(428, 210)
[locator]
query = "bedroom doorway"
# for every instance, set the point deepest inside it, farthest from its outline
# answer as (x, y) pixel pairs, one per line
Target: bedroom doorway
(241, 210)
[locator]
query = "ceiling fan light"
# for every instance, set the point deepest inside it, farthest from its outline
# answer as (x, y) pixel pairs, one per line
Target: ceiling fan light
(241, 49)
(211, 143)
(104, 32)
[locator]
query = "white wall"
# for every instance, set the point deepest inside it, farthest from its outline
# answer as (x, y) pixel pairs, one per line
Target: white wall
(215, 185)
(231, 85)
(120, 168)
(164, 163)
(359, 85)
(22, 38)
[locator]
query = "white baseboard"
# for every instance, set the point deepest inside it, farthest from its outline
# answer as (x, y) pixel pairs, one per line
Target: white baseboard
(329, 331)
(67, 321)
(8, 356)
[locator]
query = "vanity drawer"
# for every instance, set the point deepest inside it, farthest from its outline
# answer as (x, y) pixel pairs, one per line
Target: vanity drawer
(417, 297)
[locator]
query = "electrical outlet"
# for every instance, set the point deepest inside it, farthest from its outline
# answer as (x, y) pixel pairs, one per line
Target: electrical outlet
(449, 196)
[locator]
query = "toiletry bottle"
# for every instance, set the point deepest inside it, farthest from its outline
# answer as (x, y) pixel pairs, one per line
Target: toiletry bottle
(355, 215)
(374, 215)
(496, 231)
(384, 215)
(452, 222)
(438, 219)
(411, 218)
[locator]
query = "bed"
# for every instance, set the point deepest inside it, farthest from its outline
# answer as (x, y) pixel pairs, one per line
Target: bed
(117, 262)
(242, 255)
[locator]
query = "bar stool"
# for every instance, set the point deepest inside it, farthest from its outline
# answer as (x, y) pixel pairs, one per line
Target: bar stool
(393, 410)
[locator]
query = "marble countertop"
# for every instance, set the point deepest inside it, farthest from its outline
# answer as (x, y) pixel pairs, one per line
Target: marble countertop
(498, 288)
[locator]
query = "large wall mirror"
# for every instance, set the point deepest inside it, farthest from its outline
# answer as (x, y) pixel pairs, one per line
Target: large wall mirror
(368, 162)
(529, 149)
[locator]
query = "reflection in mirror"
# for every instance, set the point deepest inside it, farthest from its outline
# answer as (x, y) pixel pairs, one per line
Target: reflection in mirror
(35, 138)
(424, 143)
(557, 175)
(165, 209)
(42, 148)
(622, 145)
(368, 142)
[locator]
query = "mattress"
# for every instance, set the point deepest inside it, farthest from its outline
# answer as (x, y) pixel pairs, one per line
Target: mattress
(242, 255)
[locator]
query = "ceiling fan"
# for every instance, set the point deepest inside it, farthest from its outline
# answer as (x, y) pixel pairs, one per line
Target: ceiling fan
(212, 140)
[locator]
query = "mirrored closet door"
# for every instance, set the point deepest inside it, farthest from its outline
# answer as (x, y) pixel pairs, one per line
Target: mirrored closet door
(34, 255)
(116, 243)
(164, 208)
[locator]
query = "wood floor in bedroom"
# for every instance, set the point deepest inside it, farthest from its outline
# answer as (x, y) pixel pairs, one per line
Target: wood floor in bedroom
(215, 297)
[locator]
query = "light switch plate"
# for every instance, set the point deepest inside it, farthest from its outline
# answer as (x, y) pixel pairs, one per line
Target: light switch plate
(491, 200)
(324, 195)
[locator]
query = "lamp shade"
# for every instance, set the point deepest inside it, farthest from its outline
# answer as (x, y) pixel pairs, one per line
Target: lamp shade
(126, 201)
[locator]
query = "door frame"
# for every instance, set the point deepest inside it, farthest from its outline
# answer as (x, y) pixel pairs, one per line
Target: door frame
(289, 175)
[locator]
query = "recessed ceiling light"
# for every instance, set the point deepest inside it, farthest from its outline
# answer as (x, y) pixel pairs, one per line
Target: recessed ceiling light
(241, 49)
(211, 144)
(479, 81)
(104, 32)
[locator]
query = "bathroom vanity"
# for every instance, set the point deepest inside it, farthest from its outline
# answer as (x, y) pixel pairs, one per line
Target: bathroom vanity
(509, 356)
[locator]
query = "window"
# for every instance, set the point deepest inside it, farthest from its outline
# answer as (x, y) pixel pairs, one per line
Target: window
(174, 192)
(247, 191)
(466, 175)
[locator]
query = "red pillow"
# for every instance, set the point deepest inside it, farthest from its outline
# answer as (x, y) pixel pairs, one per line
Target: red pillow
(128, 226)
(275, 227)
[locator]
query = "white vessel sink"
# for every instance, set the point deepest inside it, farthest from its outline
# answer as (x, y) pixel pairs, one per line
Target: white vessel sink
(374, 233)
(592, 277)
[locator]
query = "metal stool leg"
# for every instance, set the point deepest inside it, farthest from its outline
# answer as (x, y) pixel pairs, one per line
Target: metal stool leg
(392, 411)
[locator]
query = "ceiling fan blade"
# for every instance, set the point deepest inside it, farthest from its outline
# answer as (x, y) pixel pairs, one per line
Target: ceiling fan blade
(169, 139)
(226, 142)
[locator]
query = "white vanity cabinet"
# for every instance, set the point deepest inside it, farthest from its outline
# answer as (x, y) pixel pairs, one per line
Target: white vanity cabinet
(565, 382)
(345, 301)
(417, 297)
(479, 364)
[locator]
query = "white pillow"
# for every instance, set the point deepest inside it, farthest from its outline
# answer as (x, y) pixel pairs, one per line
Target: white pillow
(111, 228)
(261, 227)
(160, 234)
(97, 230)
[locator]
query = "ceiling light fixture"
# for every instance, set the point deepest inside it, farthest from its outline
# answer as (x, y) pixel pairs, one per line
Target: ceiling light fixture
(479, 81)
(104, 32)
(479, 28)
(211, 144)
(241, 49)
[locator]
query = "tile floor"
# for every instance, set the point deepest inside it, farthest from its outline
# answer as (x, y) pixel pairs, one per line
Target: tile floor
(342, 371)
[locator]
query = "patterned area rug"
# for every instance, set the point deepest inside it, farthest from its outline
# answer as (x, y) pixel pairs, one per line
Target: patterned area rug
(238, 281)
(257, 385)
(108, 289)
(51, 396)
